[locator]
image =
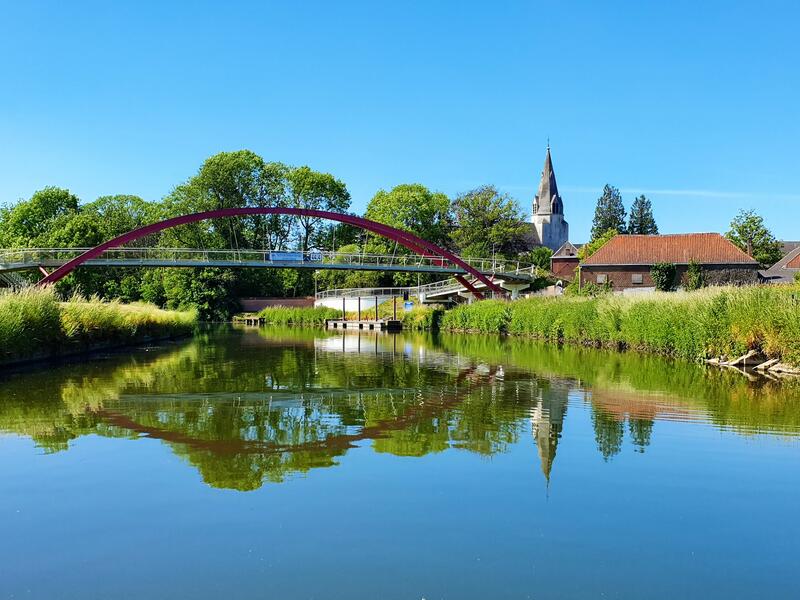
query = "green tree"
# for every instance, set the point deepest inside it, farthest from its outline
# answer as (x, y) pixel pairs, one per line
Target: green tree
(413, 208)
(640, 219)
(486, 223)
(210, 290)
(30, 222)
(120, 213)
(240, 179)
(540, 256)
(319, 191)
(609, 212)
(751, 235)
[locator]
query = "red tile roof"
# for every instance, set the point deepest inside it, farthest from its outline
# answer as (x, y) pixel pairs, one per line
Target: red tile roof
(704, 248)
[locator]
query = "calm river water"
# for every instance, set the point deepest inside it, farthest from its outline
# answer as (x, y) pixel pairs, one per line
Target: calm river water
(292, 464)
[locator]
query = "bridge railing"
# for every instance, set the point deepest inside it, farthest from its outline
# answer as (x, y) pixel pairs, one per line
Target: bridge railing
(38, 256)
(382, 292)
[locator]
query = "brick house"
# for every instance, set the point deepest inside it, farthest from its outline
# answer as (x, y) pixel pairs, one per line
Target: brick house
(625, 260)
(564, 261)
(785, 269)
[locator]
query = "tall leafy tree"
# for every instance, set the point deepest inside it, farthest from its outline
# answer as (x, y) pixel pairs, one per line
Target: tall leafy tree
(231, 180)
(486, 223)
(414, 208)
(751, 235)
(609, 212)
(320, 191)
(641, 220)
(31, 222)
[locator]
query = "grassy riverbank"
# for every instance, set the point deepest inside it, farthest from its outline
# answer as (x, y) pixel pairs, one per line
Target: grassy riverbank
(35, 324)
(708, 323)
(418, 318)
(314, 316)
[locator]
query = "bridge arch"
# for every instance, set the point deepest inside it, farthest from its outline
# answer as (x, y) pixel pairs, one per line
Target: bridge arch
(414, 243)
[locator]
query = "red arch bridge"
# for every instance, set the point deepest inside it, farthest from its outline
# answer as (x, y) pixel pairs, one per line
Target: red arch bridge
(474, 275)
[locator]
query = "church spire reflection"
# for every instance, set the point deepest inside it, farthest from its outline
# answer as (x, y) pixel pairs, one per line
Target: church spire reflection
(547, 422)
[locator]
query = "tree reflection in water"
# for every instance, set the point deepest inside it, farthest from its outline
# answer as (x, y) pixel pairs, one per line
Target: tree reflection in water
(244, 407)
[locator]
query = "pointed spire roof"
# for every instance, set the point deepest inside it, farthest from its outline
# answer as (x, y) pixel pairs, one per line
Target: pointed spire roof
(548, 189)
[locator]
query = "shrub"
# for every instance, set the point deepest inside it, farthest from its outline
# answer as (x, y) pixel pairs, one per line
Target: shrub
(694, 276)
(663, 275)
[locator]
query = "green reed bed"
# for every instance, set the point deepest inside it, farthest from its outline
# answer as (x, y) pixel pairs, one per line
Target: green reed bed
(35, 324)
(422, 318)
(311, 316)
(708, 323)
(417, 319)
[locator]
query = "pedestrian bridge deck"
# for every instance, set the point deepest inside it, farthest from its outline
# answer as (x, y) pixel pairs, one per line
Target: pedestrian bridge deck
(49, 258)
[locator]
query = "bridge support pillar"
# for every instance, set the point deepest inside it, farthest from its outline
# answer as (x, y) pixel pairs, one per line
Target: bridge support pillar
(514, 288)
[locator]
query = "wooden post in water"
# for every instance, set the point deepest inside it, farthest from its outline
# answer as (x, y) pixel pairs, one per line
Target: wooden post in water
(344, 314)
(394, 306)
(359, 308)
(376, 308)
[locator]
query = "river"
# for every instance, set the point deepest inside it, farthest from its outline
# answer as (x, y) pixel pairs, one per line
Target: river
(278, 463)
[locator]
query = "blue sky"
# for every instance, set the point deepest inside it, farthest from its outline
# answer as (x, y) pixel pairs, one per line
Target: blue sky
(696, 104)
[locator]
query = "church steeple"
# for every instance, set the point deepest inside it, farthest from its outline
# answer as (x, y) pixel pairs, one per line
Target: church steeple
(549, 226)
(548, 201)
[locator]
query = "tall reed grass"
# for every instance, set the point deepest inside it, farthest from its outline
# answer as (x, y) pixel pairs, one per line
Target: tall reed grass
(418, 318)
(712, 322)
(34, 323)
(286, 315)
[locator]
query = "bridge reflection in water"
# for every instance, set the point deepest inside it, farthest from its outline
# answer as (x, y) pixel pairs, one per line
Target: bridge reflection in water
(248, 406)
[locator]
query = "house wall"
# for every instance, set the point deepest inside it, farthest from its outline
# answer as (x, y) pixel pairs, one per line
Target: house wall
(621, 277)
(564, 268)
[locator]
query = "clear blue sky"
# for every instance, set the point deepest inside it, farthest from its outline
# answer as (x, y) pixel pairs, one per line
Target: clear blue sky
(696, 104)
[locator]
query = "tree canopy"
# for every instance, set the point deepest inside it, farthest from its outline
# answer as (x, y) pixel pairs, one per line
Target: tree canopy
(415, 208)
(609, 213)
(751, 235)
(486, 222)
(641, 220)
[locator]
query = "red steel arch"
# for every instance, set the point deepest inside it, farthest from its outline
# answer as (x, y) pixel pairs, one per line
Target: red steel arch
(412, 242)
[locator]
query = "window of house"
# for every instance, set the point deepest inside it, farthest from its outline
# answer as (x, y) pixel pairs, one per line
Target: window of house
(602, 278)
(636, 278)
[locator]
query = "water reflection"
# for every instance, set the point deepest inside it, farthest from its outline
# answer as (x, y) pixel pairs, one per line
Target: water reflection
(248, 406)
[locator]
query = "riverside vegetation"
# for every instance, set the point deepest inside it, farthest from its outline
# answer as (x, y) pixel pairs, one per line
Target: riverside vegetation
(34, 323)
(709, 323)
(419, 318)
(718, 322)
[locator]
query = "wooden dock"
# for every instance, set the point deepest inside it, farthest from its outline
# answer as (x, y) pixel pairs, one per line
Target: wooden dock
(373, 325)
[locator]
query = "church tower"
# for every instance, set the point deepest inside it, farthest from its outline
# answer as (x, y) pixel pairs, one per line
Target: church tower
(549, 227)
